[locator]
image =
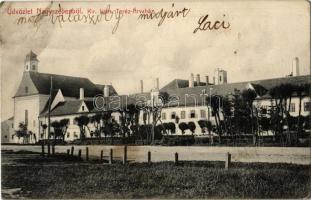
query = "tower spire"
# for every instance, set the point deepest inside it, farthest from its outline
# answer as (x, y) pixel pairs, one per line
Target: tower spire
(31, 62)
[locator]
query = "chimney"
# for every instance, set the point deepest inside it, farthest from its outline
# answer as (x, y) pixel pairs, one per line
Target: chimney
(206, 80)
(198, 79)
(141, 86)
(295, 67)
(81, 93)
(157, 83)
(106, 91)
(191, 80)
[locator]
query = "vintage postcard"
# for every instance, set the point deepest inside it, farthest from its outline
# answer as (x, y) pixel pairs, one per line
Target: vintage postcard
(155, 99)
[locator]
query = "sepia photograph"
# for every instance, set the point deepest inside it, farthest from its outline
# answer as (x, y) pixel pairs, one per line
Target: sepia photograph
(155, 99)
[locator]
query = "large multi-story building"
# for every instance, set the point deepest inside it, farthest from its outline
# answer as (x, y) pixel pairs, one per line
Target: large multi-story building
(74, 96)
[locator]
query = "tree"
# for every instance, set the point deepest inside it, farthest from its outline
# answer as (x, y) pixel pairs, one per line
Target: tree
(57, 129)
(166, 127)
(203, 125)
(264, 123)
(183, 126)
(191, 126)
(249, 97)
(106, 119)
(227, 106)
(307, 124)
(133, 118)
(160, 128)
(82, 122)
(60, 128)
(64, 126)
(153, 111)
(172, 127)
(214, 103)
(114, 128)
(281, 114)
(22, 132)
(44, 127)
(302, 90)
(156, 110)
(95, 120)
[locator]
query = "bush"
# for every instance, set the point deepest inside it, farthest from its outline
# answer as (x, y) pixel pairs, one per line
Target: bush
(191, 126)
(183, 126)
(172, 127)
(172, 140)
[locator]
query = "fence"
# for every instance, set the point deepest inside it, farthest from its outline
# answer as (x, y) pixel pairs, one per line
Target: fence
(110, 158)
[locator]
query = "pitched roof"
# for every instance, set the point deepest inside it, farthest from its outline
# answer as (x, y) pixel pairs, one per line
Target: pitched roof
(69, 85)
(295, 80)
(183, 96)
(31, 56)
(180, 83)
(191, 96)
(64, 108)
(113, 103)
(112, 91)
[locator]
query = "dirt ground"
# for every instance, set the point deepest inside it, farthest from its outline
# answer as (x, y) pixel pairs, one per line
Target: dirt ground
(296, 155)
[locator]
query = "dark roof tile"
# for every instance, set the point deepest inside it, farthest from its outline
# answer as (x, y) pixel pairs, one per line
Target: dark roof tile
(69, 85)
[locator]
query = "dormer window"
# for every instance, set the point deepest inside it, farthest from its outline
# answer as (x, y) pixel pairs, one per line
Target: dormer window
(82, 108)
(26, 89)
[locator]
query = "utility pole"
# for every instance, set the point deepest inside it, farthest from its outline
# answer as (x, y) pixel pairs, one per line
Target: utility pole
(49, 117)
(152, 124)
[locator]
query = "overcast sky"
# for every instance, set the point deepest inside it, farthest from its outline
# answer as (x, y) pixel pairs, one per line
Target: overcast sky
(263, 39)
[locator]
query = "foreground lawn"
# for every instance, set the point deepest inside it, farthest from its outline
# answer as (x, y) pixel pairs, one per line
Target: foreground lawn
(159, 180)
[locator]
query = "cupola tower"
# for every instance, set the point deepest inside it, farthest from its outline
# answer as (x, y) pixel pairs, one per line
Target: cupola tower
(31, 62)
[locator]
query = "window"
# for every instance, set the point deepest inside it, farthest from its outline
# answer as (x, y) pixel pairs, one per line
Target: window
(82, 108)
(26, 117)
(68, 134)
(263, 111)
(5, 136)
(26, 67)
(26, 89)
(192, 114)
(307, 106)
(33, 67)
(12, 125)
(163, 116)
(173, 115)
(203, 113)
(219, 78)
(183, 114)
(292, 107)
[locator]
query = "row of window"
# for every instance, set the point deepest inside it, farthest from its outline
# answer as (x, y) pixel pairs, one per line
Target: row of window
(292, 108)
(33, 67)
(192, 114)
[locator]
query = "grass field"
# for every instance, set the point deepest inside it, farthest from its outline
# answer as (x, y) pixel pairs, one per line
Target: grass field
(56, 178)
